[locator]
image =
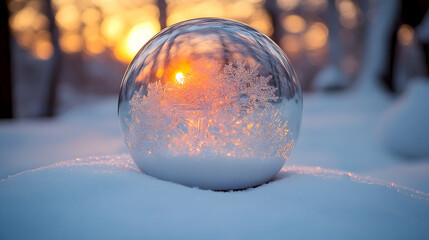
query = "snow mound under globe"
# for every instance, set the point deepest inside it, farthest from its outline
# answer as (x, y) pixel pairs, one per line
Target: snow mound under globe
(104, 197)
(211, 103)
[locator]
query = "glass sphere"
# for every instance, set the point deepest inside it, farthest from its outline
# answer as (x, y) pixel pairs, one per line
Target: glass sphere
(211, 103)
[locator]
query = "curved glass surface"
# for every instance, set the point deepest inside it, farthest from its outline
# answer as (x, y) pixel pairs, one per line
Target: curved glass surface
(211, 103)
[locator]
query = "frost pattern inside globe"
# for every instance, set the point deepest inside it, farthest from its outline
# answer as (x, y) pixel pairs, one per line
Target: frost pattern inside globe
(211, 103)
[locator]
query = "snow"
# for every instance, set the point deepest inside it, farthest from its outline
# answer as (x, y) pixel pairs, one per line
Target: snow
(114, 200)
(403, 128)
(329, 78)
(219, 128)
(339, 183)
(35, 143)
(423, 29)
(212, 171)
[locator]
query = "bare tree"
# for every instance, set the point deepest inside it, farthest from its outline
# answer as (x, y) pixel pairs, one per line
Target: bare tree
(5, 68)
(56, 61)
(275, 11)
(162, 6)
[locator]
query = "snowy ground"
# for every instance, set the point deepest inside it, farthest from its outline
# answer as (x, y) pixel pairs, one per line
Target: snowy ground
(339, 183)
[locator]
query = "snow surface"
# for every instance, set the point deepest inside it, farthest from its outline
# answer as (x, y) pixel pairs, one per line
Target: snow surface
(330, 77)
(423, 29)
(340, 183)
(403, 128)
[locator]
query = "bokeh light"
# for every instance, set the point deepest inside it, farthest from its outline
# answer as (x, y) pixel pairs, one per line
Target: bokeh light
(135, 39)
(294, 23)
(71, 42)
(316, 36)
(116, 30)
(67, 17)
(291, 44)
(288, 5)
(315, 5)
(348, 13)
(119, 27)
(250, 12)
(406, 34)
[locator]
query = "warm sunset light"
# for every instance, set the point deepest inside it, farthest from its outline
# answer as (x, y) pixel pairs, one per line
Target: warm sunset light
(176, 71)
(43, 49)
(348, 13)
(127, 48)
(245, 118)
(291, 43)
(117, 27)
(250, 12)
(180, 78)
(138, 36)
(288, 5)
(294, 23)
(317, 36)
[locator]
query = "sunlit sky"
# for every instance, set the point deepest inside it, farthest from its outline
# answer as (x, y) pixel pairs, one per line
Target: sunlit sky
(121, 28)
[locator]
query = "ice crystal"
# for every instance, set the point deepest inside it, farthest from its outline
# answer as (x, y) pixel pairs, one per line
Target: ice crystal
(222, 110)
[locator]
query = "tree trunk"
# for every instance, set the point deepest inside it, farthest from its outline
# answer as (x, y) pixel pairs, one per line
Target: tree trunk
(5, 66)
(162, 6)
(56, 61)
(274, 11)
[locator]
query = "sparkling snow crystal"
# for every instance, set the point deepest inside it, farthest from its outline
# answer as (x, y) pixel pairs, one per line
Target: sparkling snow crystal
(210, 103)
(228, 111)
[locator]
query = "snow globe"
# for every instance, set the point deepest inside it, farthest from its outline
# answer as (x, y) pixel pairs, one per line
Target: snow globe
(210, 103)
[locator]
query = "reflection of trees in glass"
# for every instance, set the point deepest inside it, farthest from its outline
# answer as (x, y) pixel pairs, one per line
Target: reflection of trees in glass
(99, 31)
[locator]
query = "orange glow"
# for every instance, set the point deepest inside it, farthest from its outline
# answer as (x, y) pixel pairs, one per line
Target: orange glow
(347, 9)
(139, 35)
(241, 9)
(315, 4)
(294, 23)
(122, 28)
(288, 4)
(176, 71)
(28, 18)
(181, 10)
(135, 39)
(23, 19)
(180, 78)
(160, 72)
(317, 36)
(90, 31)
(207, 88)
(43, 49)
(250, 12)
(67, 17)
(348, 14)
(91, 16)
(112, 29)
(291, 44)
(406, 34)
(71, 42)
(261, 20)
(26, 39)
(94, 45)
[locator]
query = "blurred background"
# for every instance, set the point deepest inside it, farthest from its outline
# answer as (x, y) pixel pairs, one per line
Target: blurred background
(61, 54)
